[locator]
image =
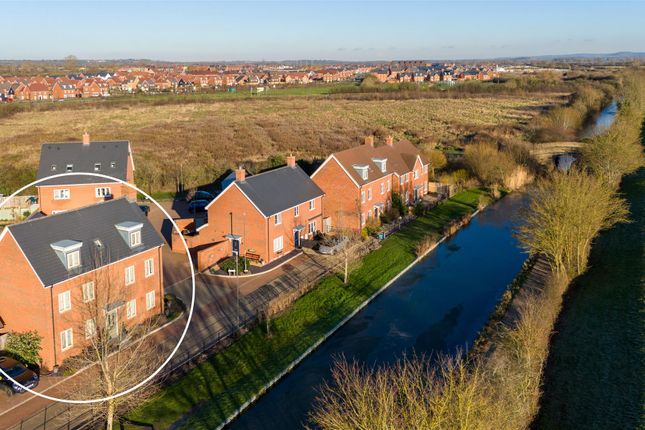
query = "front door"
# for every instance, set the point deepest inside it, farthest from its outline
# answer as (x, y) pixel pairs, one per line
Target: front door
(296, 238)
(112, 324)
(236, 247)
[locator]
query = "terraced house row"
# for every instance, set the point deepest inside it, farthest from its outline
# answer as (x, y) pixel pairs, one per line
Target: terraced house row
(266, 216)
(90, 236)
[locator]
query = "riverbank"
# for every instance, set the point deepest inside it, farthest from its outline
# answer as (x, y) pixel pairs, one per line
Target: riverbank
(596, 367)
(216, 388)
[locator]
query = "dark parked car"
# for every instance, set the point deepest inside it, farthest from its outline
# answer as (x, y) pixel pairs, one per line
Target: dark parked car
(145, 209)
(203, 195)
(19, 373)
(198, 205)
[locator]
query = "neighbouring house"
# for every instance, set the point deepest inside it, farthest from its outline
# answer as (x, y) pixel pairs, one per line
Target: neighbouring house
(111, 158)
(263, 217)
(63, 90)
(54, 268)
(358, 182)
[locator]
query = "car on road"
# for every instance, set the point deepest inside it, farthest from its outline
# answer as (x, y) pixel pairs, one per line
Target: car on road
(19, 372)
(198, 205)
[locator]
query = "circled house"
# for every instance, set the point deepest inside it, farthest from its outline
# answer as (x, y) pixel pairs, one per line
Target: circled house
(56, 269)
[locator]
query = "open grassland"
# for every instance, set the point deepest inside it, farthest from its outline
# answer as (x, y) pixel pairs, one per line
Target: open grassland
(214, 389)
(596, 368)
(197, 142)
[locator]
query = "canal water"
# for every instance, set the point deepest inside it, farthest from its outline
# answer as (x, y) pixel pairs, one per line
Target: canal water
(437, 306)
(598, 125)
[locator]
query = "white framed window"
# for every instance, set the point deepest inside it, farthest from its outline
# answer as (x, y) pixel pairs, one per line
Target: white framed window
(296, 211)
(369, 194)
(73, 259)
(97, 167)
(131, 308)
(362, 196)
(64, 302)
(103, 192)
(135, 238)
(70, 167)
(277, 219)
(149, 266)
(150, 300)
(312, 227)
(389, 185)
(425, 169)
(382, 188)
(90, 328)
(88, 292)
(312, 204)
(62, 194)
(129, 275)
(278, 244)
(416, 174)
(66, 339)
(402, 179)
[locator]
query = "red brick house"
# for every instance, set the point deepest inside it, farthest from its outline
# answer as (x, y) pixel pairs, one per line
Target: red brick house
(63, 90)
(111, 158)
(54, 268)
(358, 183)
(264, 216)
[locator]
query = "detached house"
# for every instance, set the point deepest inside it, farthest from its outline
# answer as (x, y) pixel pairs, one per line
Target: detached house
(55, 268)
(359, 182)
(111, 158)
(264, 216)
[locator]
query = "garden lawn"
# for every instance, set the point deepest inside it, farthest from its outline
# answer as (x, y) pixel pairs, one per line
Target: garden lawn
(595, 374)
(209, 393)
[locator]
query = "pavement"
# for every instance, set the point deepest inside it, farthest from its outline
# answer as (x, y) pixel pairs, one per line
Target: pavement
(221, 305)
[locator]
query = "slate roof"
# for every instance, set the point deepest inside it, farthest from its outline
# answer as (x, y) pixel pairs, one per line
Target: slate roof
(83, 158)
(82, 225)
(401, 157)
(279, 189)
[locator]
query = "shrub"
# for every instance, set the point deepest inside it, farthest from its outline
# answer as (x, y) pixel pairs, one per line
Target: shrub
(420, 209)
(25, 346)
(397, 203)
(229, 264)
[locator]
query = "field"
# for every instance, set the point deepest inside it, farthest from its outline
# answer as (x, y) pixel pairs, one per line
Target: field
(594, 377)
(218, 386)
(197, 142)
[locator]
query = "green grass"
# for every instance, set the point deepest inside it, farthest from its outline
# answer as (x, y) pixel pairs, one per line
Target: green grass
(596, 368)
(218, 386)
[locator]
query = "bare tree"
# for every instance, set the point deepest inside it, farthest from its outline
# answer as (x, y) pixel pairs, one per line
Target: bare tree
(116, 356)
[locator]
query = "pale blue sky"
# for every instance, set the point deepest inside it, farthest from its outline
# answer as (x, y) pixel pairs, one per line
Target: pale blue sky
(361, 30)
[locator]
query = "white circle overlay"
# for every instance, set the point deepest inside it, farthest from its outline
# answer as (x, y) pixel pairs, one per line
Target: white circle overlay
(192, 302)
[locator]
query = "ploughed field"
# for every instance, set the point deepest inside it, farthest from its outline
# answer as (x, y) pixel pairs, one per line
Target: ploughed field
(208, 138)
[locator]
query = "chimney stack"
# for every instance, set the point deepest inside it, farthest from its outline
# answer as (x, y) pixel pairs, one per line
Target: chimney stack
(291, 160)
(369, 140)
(86, 138)
(240, 174)
(389, 141)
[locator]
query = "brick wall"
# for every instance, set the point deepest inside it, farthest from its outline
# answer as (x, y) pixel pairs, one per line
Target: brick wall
(342, 196)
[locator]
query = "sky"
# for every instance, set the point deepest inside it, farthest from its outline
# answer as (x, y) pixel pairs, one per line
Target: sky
(299, 30)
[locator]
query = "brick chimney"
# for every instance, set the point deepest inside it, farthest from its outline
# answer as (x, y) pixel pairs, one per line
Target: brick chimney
(369, 140)
(240, 174)
(86, 138)
(291, 160)
(389, 141)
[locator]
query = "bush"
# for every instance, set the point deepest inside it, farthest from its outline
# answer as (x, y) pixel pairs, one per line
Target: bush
(420, 209)
(25, 346)
(397, 203)
(229, 264)
(390, 215)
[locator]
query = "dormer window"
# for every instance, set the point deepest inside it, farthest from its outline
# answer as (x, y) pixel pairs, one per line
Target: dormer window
(69, 253)
(97, 167)
(362, 170)
(130, 232)
(70, 168)
(381, 163)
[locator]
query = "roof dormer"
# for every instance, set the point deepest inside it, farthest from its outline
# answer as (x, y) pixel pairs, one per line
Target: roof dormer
(130, 232)
(362, 170)
(69, 253)
(381, 163)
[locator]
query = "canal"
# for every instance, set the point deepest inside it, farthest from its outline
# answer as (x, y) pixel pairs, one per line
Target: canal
(437, 306)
